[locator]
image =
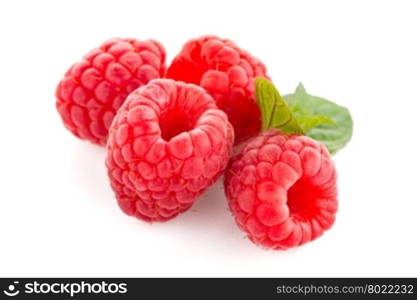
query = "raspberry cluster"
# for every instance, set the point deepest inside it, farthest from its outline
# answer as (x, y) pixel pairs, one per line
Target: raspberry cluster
(169, 135)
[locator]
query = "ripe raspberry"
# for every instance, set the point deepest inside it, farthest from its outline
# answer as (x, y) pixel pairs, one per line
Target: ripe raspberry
(227, 73)
(92, 90)
(282, 190)
(167, 144)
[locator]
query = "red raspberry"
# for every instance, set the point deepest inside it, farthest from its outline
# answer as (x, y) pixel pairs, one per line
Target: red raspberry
(167, 144)
(93, 90)
(227, 73)
(282, 190)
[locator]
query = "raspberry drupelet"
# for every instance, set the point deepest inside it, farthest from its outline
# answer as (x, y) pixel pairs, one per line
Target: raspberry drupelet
(92, 90)
(282, 190)
(227, 72)
(167, 144)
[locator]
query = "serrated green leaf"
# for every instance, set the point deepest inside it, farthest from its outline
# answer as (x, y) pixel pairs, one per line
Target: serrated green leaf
(308, 110)
(275, 112)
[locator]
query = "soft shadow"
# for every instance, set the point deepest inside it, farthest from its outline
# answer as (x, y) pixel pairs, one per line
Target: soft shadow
(91, 173)
(208, 225)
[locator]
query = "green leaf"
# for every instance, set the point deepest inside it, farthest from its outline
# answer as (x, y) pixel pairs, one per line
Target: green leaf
(321, 119)
(309, 122)
(301, 103)
(304, 110)
(274, 110)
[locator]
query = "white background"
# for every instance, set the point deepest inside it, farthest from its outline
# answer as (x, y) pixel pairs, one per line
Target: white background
(58, 216)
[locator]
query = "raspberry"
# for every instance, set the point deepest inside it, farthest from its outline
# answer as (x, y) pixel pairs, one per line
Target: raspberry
(91, 92)
(227, 73)
(282, 189)
(167, 144)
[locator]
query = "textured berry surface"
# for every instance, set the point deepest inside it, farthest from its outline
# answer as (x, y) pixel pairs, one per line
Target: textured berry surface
(167, 144)
(227, 73)
(282, 190)
(91, 92)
